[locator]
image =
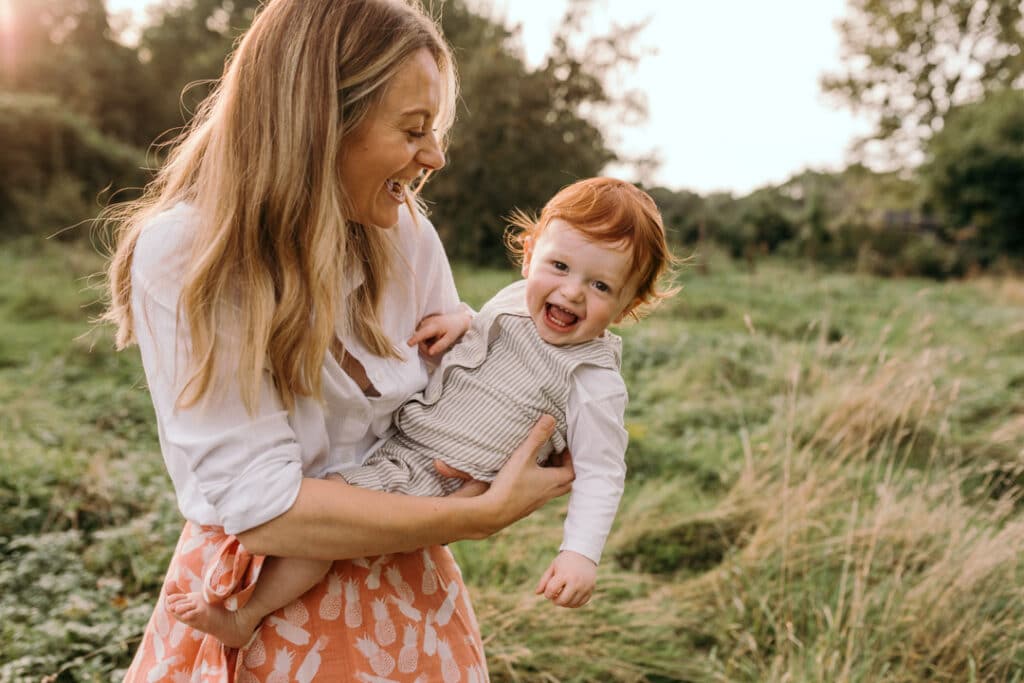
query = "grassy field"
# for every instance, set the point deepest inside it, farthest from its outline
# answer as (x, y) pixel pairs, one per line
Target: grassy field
(824, 486)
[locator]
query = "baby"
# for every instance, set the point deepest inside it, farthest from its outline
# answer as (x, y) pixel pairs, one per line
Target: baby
(540, 346)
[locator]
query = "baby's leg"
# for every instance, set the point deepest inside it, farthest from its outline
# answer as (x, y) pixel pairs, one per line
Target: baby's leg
(282, 580)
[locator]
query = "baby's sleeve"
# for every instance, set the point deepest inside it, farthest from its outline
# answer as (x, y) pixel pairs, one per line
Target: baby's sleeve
(597, 440)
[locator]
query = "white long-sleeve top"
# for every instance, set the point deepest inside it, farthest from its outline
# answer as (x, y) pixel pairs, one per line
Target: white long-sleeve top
(237, 470)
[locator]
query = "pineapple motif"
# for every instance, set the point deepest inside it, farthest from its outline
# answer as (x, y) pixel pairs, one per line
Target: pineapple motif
(256, 654)
(380, 661)
(330, 605)
(311, 663)
(163, 663)
(408, 657)
(353, 610)
(407, 610)
(282, 666)
(245, 676)
(370, 678)
(289, 631)
(429, 635)
(473, 675)
(447, 608)
(429, 583)
(161, 622)
(296, 613)
(177, 633)
(449, 669)
(402, 589)
(373, 578)
(384, 628)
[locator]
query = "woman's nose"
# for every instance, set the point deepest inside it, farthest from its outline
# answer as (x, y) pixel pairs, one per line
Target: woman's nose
(431, 156)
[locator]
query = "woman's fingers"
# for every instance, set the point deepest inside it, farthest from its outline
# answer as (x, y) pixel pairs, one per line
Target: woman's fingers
(522, 485)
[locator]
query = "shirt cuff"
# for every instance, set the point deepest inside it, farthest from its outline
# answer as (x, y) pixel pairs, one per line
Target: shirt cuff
(591, 551)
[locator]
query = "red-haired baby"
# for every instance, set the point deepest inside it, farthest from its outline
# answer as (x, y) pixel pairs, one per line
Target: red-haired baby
(596, 255)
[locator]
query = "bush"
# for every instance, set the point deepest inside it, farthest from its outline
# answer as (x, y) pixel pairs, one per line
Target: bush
(55, 165)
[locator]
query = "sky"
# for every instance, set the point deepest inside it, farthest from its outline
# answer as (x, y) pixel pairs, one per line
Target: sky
(732, 87)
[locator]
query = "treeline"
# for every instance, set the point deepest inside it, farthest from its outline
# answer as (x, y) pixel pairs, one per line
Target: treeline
(80, 109)
(959, 212)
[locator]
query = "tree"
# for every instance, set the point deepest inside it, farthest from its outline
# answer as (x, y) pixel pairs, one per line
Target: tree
(522, 133)
(67, 48)
(186, 45)
(974, 174)
(907, 63)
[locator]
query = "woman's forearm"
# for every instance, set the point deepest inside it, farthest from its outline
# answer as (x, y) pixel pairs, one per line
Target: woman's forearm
(333, 520)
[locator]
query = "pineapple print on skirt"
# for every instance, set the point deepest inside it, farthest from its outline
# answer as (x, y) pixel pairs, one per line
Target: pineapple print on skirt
(394, 618)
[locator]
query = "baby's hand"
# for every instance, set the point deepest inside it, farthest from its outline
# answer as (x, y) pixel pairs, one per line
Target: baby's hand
(437, 333)
(569, 581)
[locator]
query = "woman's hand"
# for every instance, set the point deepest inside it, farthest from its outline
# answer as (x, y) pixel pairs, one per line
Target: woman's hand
(522, 485)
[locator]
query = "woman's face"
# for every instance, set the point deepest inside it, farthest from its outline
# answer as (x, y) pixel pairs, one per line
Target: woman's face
(394, 144)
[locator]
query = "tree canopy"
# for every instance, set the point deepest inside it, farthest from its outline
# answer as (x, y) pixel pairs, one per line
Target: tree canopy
(908, 63)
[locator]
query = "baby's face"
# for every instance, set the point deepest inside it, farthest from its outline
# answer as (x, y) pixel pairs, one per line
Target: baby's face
(576, 287)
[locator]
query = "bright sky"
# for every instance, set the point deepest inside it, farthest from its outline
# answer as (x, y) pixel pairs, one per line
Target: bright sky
(732, 90)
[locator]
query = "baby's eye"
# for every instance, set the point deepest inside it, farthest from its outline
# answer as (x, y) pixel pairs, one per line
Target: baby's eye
(559, 265)
(602, 287)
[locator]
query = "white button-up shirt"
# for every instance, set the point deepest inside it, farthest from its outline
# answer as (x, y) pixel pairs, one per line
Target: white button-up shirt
(237, 470)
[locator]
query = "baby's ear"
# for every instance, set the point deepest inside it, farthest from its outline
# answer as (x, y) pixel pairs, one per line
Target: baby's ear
(628, 309)
(527, 254)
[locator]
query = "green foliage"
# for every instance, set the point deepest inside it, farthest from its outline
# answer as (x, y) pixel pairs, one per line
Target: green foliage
(975, 174)
(55, 166)
(826, 460)
(521, 134)
(908, 63)
(184, 52)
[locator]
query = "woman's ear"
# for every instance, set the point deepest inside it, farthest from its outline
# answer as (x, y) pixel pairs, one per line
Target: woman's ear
(527, 254)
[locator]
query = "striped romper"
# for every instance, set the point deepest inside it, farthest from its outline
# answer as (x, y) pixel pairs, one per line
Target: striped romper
(479, 405)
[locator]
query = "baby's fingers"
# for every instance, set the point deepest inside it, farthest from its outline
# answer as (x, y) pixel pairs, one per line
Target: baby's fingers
(543, 584)
(422, 334)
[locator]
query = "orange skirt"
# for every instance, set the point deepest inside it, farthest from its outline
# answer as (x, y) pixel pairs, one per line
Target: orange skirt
(404, 617)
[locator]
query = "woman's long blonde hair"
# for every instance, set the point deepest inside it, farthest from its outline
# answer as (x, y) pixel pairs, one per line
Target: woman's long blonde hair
(259, 164)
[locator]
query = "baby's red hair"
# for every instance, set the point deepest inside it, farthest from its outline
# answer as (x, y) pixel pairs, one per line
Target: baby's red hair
(614, 212)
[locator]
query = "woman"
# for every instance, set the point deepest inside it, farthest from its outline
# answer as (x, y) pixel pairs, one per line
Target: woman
(271, 275)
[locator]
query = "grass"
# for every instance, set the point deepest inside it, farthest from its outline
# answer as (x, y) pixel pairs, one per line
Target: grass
(824, 485)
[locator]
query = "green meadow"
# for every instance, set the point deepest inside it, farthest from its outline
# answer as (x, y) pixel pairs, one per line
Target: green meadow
(824, 485)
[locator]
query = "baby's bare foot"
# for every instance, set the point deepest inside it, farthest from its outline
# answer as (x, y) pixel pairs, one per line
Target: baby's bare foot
(230, 628)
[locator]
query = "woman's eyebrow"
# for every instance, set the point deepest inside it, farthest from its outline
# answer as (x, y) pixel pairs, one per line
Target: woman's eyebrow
(417, 111)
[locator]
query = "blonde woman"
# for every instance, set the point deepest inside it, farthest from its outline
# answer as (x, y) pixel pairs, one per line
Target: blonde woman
(272, 276)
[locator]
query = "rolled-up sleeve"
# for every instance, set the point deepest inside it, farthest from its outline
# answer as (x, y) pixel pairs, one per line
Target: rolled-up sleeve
(228, 467)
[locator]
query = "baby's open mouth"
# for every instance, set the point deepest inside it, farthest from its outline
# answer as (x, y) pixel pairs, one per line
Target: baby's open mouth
(559, 316)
